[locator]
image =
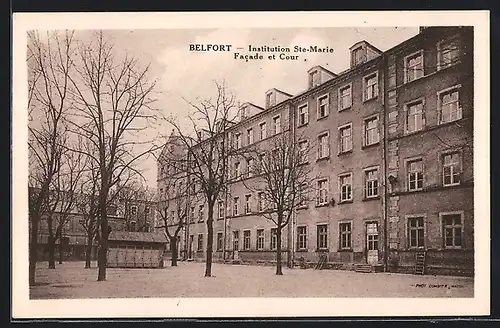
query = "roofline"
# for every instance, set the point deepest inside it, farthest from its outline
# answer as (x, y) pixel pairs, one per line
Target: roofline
(323, 68)
(368, 43)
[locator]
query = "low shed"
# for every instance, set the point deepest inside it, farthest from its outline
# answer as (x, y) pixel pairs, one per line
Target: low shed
(136, 249)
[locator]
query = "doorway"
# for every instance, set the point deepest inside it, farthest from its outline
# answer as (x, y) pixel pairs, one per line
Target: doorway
(372, 239)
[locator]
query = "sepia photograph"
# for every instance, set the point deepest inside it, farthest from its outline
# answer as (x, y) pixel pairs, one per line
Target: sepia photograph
(236, 164)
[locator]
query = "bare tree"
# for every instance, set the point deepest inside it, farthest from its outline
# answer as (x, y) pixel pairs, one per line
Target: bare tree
(114, 97)
(173, 204)
(86, 203)
(137, 201)
(207, 150)
(49, 66)
(65, 191)
(282, 182)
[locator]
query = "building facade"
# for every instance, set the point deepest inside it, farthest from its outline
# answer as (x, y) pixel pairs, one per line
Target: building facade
(124, 214)
(392, 162)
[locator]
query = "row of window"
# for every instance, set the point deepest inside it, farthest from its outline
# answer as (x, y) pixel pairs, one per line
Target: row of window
(451, 233)
(448, 54)
(451, 176)
(448, 108)
(370, 91)
(262, 132)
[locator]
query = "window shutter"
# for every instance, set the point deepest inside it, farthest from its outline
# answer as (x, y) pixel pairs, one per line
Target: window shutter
(328, 145)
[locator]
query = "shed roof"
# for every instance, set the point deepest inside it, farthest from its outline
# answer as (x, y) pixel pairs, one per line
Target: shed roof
(144, 237)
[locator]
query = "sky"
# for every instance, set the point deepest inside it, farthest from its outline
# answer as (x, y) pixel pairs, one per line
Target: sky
(182, 73)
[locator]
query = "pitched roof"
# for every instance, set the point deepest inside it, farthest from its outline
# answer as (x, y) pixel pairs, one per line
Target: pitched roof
(144, 237)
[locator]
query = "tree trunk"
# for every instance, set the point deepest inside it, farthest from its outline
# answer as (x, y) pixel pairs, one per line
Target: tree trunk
(279, 272)
(88, 251)
(103, 241)
(51, 244)
(210, 239)
(173, 243)
(33, 252)
(60, 247)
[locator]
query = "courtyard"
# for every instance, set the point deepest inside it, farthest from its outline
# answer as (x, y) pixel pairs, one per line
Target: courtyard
(71, 281)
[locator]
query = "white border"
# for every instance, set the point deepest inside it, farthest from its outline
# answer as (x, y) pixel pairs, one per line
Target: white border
(22, 307)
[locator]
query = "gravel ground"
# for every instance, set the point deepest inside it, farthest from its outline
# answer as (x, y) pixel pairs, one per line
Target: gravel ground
(71, 281)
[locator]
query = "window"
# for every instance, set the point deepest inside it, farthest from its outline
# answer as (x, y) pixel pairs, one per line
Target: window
(200, 242)
(237, 170)
(323, 145)
(345, 98)
(133, 210)
(451, 169)
(370, 86)
(301, 238)
(246, 239)
(345, 143)
(262, 163)
(322, 236)
(345, 182)
(314, 78)
(357, 56)
(133, 226)
(303, 145)
(249, 136)
(111, 210)
(277, 124)
(448, 53)
(414, 116)
(302, 197)
(193, 185)
(260, 239)
(414, 66)
(248, 204)
(237, 140)
(372, 236)
(236, 240)
(200, 213)
(323, 109)
(345, 235)
(263, 132)
(415, 175)
(371, 131)
(220, 241)
(303, 115)
(236, 205)
(452, 230)
(449, 106)
(269, 100)
(322, 197)
(274, 238)
(371, 183)
(220, 209)
(262, 204)
(191, 219)
(416, 232)
(250, 167)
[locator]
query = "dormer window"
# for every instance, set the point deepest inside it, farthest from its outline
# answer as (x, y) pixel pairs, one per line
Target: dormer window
(314, 78)
(269, 100)
(357, 56)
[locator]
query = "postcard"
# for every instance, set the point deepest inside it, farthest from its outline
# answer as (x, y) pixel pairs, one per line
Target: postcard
(250, 164)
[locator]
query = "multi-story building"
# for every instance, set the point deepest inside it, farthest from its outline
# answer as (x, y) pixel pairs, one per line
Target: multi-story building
(429, 149)
(391, 141)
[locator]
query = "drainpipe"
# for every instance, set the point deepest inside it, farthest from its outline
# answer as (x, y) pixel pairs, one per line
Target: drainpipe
(225, 206)
(384, 157)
